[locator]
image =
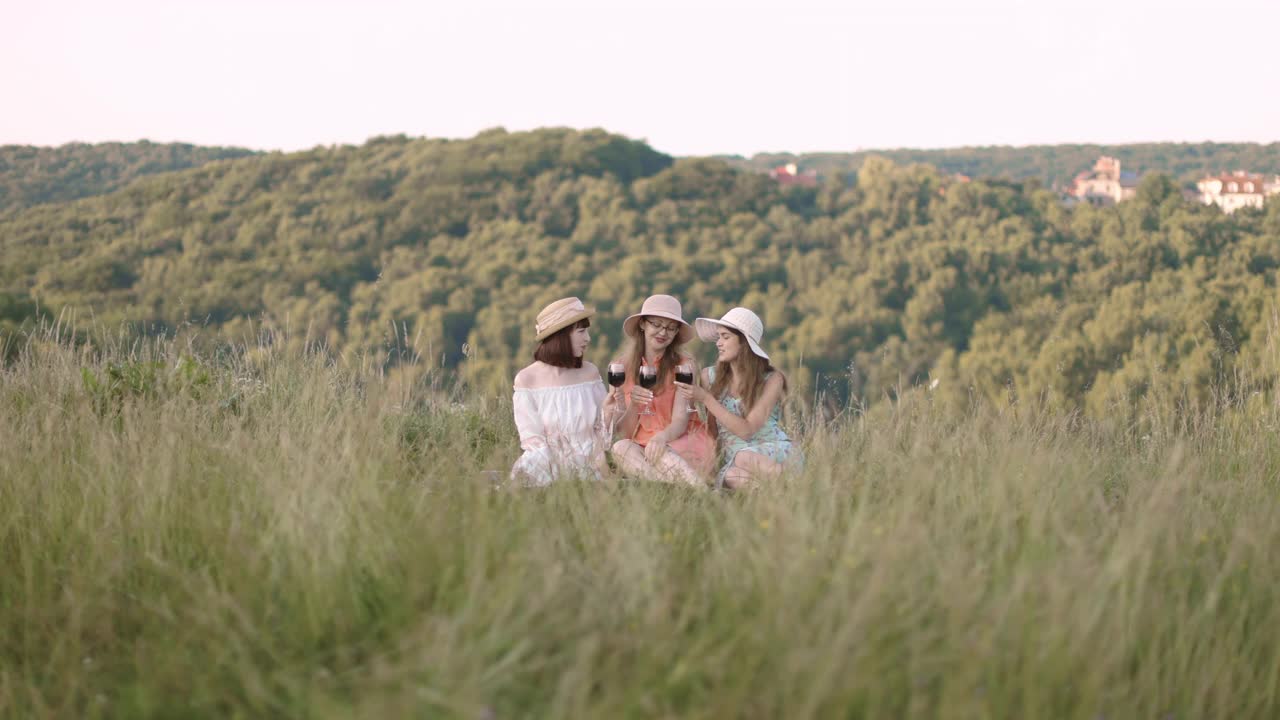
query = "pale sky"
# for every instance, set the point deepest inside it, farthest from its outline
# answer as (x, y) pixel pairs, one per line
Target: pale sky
(691, 77)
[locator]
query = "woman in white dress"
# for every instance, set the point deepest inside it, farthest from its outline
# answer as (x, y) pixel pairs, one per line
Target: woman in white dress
(560, 401)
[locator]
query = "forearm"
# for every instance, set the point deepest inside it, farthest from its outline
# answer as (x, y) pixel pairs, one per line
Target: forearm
(679, 423)
(627, 425)
(732, 422)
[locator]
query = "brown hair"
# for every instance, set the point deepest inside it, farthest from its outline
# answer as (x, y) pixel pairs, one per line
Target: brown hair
(633, 356)
(557, 349)
(751, 367)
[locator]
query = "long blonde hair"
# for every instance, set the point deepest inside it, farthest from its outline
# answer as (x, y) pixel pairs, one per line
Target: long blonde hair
(751, 368)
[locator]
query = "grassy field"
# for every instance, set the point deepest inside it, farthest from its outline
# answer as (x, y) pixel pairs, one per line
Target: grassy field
(258, 534)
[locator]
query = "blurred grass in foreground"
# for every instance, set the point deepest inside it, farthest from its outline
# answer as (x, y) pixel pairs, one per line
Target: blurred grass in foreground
(263, 534)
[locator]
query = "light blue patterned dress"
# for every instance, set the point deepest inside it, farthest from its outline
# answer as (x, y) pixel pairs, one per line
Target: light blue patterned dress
(770, 440)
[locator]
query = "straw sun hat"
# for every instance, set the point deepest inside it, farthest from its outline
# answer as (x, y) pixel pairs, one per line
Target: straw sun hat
(663, 306)
(559, 315)
(740, 319)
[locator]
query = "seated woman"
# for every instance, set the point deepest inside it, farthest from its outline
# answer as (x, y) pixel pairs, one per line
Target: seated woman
(559, 401)
(745, 399)
(662, 439)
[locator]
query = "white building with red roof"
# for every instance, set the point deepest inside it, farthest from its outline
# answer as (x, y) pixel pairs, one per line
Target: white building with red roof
(1232, 191)
(791, 175)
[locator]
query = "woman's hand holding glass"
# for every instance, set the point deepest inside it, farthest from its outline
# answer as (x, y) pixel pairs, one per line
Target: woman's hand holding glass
(640, 397)
(696, 393)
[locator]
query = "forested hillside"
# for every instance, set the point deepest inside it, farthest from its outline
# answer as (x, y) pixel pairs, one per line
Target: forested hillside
(1049, 164)
(448, 248)
(34, 175)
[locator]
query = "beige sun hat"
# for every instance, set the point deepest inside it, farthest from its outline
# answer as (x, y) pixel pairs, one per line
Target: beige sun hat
(740, 319)
(559, 315)
(663, 306)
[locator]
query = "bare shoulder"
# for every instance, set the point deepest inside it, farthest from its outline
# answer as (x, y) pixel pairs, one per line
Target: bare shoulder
(529, 377)
(540, 375)
(777, 381)
(588, 372)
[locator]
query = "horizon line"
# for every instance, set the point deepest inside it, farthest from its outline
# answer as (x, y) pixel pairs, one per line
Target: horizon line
(730, 154)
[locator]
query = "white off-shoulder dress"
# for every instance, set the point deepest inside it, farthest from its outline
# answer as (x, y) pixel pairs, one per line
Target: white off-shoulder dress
(561, 431)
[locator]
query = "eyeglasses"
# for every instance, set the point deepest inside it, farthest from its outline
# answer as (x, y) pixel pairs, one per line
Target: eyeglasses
(670, 328)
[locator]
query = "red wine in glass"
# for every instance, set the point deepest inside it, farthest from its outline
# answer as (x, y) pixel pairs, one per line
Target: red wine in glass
(684, 374)
(648, 378)
(617, 374)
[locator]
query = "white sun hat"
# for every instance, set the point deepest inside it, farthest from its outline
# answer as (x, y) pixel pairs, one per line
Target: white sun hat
(740, 319)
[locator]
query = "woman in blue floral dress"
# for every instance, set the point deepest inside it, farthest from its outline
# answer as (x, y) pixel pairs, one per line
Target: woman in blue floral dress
(745, 398)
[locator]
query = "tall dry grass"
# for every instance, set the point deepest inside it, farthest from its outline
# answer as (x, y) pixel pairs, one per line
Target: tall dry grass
(260, 533)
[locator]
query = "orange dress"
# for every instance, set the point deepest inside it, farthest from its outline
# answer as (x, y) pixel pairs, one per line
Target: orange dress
(695, 446)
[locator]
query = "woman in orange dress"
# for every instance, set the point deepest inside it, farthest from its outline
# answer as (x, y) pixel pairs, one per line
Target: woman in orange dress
(661, 438)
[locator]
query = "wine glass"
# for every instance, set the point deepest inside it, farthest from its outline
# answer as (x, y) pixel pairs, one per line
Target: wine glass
(684, 374)
(648, 378)
(617, 374)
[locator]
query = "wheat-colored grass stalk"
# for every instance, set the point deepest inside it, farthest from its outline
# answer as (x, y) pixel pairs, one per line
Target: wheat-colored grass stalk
(261, 532)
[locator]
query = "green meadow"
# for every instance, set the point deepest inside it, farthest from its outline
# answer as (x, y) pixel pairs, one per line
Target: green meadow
(261, 532)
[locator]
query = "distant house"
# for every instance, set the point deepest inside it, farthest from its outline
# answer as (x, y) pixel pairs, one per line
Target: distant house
(1106, 184)
(790, 175)
(953, 179)
(1232, 191)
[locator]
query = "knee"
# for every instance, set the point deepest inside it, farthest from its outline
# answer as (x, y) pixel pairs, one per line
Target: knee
(736, 477)
(622, 447)
(678, 470)
(756, 464)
